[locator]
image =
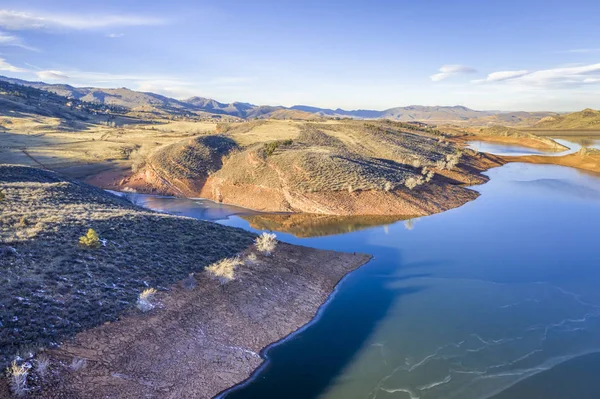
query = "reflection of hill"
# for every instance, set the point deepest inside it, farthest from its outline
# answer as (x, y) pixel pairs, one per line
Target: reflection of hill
(312, 225)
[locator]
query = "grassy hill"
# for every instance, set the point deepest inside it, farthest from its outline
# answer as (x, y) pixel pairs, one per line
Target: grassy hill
(333, 167)
(52, 287)
(586, 119)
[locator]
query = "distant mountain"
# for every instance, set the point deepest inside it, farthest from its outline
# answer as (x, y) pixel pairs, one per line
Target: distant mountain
(26, 99)
(155, 105)
(586, 119)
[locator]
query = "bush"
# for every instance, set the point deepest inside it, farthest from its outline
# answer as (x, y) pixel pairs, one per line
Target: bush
(17, 375)
(273, 145)
(90, 240)
(144, 301)
(266, 243)
(2, 196)
(77, 364)
(224, 270)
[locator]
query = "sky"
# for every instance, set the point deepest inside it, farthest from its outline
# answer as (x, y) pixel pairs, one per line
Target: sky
(490, 55)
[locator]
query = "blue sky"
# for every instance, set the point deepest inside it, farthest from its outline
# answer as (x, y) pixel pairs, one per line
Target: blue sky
(505, 55)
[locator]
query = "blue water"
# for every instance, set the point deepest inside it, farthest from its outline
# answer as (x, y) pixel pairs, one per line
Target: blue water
(517, 150)
(459, 305)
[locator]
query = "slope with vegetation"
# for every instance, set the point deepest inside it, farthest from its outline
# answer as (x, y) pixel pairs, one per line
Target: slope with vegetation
(101, 298)
(588, 119)
(343, 168)
(55, 284)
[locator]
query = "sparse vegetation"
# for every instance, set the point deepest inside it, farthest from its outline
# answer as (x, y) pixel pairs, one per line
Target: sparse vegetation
(90, 240)
(224, 270)
(62, 289)
(145, 298)
(17, 376)
(266, 243)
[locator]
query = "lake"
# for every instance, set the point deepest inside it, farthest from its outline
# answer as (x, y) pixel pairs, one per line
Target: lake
(478, 300)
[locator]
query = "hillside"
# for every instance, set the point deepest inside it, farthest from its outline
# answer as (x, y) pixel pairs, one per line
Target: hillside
(61, 283)
(336, 168)
(586, 119)
(72, 308)
(151, 105)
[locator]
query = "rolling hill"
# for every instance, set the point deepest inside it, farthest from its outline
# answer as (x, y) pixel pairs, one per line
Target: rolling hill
(152, 105)
(586, 119)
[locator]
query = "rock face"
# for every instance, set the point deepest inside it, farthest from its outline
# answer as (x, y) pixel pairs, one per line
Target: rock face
(388, 171)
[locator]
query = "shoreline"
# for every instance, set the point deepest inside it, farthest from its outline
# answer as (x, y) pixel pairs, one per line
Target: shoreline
(236, 356)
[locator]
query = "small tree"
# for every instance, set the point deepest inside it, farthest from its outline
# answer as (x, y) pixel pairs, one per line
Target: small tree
(266, 243)
(90, 240)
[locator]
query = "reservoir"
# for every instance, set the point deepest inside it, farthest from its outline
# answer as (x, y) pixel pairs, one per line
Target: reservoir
(495, 299)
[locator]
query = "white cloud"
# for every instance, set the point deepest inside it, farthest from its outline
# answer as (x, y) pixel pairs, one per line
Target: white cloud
(447, 71)
(115, 35)
(18, 20)
(52, 75)
(554, 77)
(501, 76)
(5, 66)
(11, 40)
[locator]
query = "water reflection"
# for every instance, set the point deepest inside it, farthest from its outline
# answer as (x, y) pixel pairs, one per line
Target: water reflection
(311, 225)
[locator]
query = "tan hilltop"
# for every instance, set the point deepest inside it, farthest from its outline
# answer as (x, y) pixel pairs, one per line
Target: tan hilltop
(336, 168)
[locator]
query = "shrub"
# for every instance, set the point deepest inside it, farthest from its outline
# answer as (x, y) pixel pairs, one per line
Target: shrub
(251, 257)
(23, 222)
(265, 243)
(77, 364)
(2, 196)
(144, 301)
(42, 364)
(17, 375)
(224, 270)
(413, 182)
(90, 240)
(273, 145)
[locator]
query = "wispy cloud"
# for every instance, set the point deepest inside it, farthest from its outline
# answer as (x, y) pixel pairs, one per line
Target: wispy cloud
(501, 76)
(447, 71)
(553, 77)
(584, 50)
(18, 20)
(115, 35)
(15, 41)
(5, 66)
(52, 75)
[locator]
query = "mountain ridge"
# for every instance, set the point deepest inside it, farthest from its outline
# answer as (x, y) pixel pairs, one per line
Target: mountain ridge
(157, 105)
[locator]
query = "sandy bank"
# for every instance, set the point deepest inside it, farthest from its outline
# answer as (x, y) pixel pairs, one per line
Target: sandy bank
(535, 143)
(586, 160)
(204, 338)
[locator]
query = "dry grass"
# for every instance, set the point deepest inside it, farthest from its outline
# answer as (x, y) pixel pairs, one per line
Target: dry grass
(266, 243)
(145, 298)
(224, 270)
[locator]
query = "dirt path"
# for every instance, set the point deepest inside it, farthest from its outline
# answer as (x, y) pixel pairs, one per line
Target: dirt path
(203, 339)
